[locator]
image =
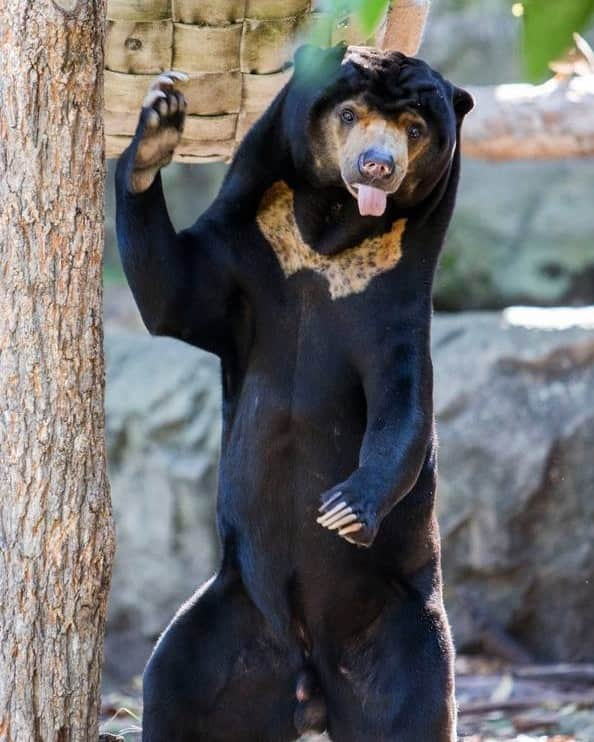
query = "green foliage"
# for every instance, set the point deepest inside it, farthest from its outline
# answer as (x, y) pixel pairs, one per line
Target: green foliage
(368, 13)
(548, 26)
(548, 29)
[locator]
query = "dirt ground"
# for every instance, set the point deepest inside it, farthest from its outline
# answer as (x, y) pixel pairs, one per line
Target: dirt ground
(537, 703)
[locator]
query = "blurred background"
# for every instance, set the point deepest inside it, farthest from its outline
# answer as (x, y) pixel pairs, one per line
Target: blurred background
(514, 371)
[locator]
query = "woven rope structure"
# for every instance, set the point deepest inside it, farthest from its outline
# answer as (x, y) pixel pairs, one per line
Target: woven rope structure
(237, 53)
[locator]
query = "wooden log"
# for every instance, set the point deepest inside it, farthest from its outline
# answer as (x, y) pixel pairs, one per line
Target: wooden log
(267, 46)
(245, 122)
(537, 122)
(188, 150)
(124, 93)
(206, 48)
(533, 722)
(209, 12)
(275, 8)
(404, 25)
(115, 145)
(189, 159)
(123, 122)
(210, 128)
(140, 10)
(197, 128)
(138, 47)
(566, 672)
(259, 90)
(548, 700)
(205, 150)
(208, 94)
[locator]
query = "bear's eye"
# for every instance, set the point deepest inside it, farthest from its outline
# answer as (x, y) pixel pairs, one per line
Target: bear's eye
(415, 131)
(347, 115)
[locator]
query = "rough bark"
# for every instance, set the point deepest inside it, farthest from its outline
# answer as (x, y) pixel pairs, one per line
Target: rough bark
(404, 26)
(56, 537)
(549, 121)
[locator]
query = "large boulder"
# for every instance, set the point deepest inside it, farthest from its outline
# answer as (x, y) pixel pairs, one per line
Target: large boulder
(515, 409)
(163, 429)
(522, 233)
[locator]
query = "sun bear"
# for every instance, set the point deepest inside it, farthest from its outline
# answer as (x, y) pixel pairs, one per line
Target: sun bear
(310, 278)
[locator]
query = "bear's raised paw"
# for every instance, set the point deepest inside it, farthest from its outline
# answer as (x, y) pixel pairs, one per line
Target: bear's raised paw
(159, 129)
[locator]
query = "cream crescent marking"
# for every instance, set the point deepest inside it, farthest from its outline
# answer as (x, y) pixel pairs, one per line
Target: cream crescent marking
(348, 272)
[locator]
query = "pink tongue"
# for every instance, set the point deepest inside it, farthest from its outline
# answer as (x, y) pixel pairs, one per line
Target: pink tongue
(372, 201)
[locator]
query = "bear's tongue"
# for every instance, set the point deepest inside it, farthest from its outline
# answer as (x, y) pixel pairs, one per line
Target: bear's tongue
(372, 201)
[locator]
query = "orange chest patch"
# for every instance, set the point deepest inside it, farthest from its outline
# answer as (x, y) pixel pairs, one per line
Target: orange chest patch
(348, 272)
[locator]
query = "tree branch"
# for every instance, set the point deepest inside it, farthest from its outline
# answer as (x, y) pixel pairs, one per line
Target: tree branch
(553, 120)
(404, 25)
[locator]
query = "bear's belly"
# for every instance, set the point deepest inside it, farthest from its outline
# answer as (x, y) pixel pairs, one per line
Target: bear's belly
(285, 448)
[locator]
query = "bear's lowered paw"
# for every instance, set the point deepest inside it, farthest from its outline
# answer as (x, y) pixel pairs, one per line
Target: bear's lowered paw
(159, 129)
(350, 512)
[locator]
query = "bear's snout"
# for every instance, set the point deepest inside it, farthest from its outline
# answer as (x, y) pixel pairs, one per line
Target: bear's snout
(376, 164)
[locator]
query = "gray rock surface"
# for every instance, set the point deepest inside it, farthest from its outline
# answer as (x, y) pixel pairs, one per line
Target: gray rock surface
(515, 408)
(522, 233)
(515, 411)
(163, 429)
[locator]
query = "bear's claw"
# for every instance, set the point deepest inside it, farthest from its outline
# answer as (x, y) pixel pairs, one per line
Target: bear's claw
(345, 511)
(340, 518)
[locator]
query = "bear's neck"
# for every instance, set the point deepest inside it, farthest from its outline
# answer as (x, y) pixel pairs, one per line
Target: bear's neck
(329, 218)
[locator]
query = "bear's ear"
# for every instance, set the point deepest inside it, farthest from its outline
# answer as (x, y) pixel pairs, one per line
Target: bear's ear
(463, 102)
(313, 63)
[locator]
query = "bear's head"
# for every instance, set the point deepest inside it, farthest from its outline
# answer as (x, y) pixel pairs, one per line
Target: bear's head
(380, 124)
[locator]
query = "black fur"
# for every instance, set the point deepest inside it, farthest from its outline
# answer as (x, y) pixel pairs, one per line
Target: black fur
(316, 393)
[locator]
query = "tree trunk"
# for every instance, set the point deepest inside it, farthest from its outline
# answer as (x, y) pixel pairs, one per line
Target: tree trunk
(537, 122)
(56, 536)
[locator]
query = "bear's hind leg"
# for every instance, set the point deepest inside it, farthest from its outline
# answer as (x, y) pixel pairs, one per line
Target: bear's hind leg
(395, 682)
(217, 676)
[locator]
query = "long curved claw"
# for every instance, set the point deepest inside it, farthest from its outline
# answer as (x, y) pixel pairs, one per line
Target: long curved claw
(353, 528)
(168, 79)
(329, 501)
(330, 521)
(153, 95)
(331, 513)
(344, 521)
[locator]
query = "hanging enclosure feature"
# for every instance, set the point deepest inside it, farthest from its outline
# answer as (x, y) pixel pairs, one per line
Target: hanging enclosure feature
(237, 53)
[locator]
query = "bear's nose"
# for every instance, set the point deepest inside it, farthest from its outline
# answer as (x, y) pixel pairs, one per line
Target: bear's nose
(376, 163)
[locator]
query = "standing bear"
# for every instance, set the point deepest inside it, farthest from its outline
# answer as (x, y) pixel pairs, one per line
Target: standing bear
(310, 278)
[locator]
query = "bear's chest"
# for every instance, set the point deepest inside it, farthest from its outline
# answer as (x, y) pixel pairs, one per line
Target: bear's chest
(348, 272)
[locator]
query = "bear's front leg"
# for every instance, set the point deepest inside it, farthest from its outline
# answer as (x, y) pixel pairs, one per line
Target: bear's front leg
(159, 129)
(394, 448)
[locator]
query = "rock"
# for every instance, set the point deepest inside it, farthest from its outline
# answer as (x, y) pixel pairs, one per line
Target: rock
(515, 412)
(522, 233)
(163, 428)
(515, 409)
